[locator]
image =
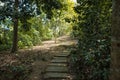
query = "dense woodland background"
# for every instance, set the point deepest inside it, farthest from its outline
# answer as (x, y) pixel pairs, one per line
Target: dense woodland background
(33, 21)
(26, 23)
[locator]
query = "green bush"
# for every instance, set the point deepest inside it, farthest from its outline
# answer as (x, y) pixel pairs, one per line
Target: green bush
(24, 41)
(93, 64)
(4, 47)
(92, 59)
(14, 72)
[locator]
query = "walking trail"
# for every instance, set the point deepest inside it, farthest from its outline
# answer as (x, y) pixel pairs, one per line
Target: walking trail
(54, 66)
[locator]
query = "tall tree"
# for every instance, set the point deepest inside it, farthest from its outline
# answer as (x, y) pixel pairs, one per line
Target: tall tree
(22, 10)
(115, 52)
(15, 31)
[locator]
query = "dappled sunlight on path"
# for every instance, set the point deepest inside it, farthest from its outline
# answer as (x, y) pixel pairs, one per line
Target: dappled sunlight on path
(52, 49)
(64, 40)
(37, 58)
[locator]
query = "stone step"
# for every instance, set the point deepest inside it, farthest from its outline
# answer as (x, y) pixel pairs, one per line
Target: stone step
(57, 76)
(62, 55)
(57, 64)
(58, 69)
(59, 60)
(66, 51)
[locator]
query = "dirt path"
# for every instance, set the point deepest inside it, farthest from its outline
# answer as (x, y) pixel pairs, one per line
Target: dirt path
(33, 60)
(49, 49)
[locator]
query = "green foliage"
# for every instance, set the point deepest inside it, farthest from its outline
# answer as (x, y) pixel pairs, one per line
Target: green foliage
(25, 40)
(92, 61)
(12, 72)
(4, 47)
(33, 27)
(5, 35)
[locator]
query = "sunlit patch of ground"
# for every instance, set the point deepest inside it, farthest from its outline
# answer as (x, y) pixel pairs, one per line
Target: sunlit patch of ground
(64, 40)
(39, 56)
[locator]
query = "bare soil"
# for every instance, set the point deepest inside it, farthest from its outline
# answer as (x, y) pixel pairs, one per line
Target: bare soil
(37, 57)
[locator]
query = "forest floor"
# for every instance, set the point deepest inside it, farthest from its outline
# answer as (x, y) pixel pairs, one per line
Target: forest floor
(35, 58)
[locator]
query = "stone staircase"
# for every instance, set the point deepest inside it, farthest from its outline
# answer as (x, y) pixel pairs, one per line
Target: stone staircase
(58, 68)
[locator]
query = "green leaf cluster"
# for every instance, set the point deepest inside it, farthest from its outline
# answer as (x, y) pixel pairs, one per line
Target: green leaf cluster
(92, 62)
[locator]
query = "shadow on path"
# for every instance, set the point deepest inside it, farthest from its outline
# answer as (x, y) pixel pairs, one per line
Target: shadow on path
(49, 50)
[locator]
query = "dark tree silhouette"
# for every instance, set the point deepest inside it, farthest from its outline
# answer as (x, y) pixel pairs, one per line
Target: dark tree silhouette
(115, 52)
(15, 31)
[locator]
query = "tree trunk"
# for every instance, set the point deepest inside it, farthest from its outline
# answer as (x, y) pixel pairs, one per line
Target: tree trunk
(115, 51)
(55, 35)
(15, 29)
